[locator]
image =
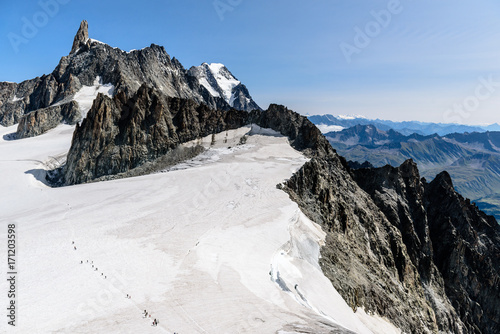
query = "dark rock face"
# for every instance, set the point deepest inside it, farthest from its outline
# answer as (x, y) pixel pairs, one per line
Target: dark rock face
(82, 36)
(122, 133)
(303, 134)
(454, 246)
(15, 99)
(364, 257)
(466, 245)
(399, 194)
(242, 99)
(9, 103)
(42, 120)
(357, 165)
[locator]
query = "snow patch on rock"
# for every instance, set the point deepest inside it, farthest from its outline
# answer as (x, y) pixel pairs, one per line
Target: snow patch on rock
(87, 94)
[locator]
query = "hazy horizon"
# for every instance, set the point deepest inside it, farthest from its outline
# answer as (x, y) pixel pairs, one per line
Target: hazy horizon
(395, 60)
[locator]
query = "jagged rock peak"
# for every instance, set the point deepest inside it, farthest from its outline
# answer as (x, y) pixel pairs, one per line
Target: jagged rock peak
(122, 133)
(91, 60)
(81, 37)
(444, 179)
(409, 169)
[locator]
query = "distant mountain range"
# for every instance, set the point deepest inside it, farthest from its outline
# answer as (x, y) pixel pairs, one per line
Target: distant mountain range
(328, 123)
(472, 159)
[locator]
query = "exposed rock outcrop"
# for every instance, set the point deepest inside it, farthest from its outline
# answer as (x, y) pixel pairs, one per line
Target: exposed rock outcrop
(399, 193)
(10, 104)
(82, 37)
(303, 135)
(242, 99)
(122, 133)
(365, 257)
(42, 120)
(357, 165)
(16, 99)
(455, 247)
(466, 245)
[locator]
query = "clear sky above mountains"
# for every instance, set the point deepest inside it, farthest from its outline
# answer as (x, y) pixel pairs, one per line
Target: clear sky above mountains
(422, 60)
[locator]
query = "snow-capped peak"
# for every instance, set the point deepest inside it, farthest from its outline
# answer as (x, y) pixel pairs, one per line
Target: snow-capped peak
(224, 80)
(350, 116)
(215, 67)
(221, 83)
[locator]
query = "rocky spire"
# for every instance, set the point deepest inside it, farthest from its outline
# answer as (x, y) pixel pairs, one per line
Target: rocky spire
(81, 37)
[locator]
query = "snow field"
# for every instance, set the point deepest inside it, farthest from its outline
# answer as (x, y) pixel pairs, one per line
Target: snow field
(87, 94)
(225, 81)
(199, 247)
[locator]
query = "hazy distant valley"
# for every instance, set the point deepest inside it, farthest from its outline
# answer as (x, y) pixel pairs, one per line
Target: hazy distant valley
(471, 158)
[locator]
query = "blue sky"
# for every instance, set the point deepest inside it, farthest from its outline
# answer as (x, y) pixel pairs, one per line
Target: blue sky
(422, 60)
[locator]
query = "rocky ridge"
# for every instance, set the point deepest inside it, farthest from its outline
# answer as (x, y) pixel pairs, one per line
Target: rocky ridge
(90, 59)
(410, 248)
(121, 133)
(44, 119)
(365, 256)
(454, 246)
(466, 245)
(380, 251)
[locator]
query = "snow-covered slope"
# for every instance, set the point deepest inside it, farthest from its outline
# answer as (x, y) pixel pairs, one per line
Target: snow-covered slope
(87, 94)
(220, 82)
(210, 247)
(224, 81)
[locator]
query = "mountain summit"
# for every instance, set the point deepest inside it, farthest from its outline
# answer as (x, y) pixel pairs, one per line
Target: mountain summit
(82, 36)
(220, 82)
(92, 67)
